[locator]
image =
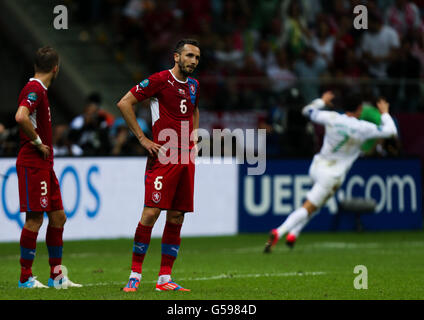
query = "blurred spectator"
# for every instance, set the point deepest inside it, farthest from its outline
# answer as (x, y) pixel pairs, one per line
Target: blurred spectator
(263, 55)
(418, 49)
(93, 107)
(3, 136)
(134, 9)
(251, 84)
(2, 131)
(353, 67)
(405, 67)
(228, 13)
(274, 124)
(9, 141)
(272, 32)
(161, 27)
(263, 12)
(214, 86)
(420, 5)
(227, 55)
(123, 140)
(208, 40)
(280, 75)
(344, 41)
(126, 144)
(404, 16)
(310, 69)
(312, 9)
(334, 11)
(90, 129)
(323, 42)
(62, 146)
(195, 13)
(131, 26)
(295, 29)
(379, 46)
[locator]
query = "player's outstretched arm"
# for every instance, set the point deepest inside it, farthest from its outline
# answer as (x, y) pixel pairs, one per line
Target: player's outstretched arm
(126, 106)
(387, 129)
(317, 104)
(387, 124)
(24, 122)
(313, 110)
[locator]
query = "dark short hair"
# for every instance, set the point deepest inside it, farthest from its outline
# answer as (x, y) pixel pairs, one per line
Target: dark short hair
(45, 59)
(352, 101)
(183, 42)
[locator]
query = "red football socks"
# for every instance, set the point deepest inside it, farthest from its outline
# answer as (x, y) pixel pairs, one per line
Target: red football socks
(141, 244)
(28, 244)
(171, 241)
(54, 241)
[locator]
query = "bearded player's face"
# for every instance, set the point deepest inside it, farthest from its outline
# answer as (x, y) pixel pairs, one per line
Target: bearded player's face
(188, 59)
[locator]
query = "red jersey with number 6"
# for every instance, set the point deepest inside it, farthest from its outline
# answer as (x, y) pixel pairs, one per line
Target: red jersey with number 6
(34, 97)
(172, 103)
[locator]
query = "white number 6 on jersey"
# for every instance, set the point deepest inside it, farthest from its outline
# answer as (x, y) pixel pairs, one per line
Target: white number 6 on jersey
(158, 183)
(183, 107)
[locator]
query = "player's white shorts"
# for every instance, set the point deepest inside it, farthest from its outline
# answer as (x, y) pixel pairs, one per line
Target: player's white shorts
(327, 177)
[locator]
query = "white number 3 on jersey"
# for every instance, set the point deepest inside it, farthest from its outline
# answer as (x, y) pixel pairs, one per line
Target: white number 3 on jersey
(183, 107)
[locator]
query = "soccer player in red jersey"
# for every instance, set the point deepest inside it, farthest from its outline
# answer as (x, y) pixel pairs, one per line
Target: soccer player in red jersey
(39, 189)
(174, 99)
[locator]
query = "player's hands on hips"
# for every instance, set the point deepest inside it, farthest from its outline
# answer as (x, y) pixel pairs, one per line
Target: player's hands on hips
(328, 97)
(150, 146)
(44, 150)
(383, 106)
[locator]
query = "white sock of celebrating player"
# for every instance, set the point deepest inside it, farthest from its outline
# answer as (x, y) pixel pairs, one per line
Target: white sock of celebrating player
(299, 227)
(292, 221)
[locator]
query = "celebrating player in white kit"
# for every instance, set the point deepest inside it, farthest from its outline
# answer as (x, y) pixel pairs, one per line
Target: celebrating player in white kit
(344, 135)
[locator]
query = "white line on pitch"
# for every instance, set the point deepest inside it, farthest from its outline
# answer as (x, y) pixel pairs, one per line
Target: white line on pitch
(223, 276)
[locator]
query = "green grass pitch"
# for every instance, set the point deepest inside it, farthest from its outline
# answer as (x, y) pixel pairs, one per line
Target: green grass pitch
(234, 268)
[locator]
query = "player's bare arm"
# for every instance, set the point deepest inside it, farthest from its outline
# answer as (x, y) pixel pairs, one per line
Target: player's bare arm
(383, 106)
(328, 97)
(23, 120)
(196, 117)
(387, 128)
(126, 107)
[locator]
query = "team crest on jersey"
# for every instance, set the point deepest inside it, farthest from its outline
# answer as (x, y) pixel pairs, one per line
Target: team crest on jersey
(144, 83)
(193, 89)
(44, 202)
(32, 97)
(156, 196)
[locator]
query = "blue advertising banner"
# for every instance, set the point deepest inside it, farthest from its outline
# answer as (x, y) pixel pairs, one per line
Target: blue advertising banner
(265, 201)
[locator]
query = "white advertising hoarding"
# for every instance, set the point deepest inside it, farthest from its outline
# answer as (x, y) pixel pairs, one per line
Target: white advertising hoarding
(103, 198)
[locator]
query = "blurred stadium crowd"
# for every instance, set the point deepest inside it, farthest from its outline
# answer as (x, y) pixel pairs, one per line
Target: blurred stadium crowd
(272, 56)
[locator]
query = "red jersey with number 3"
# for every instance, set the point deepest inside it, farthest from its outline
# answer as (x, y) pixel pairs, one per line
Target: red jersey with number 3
(172, 103)
(34, 97)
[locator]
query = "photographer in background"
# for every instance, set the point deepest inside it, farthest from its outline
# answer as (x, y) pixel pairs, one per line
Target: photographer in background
(90, 129)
